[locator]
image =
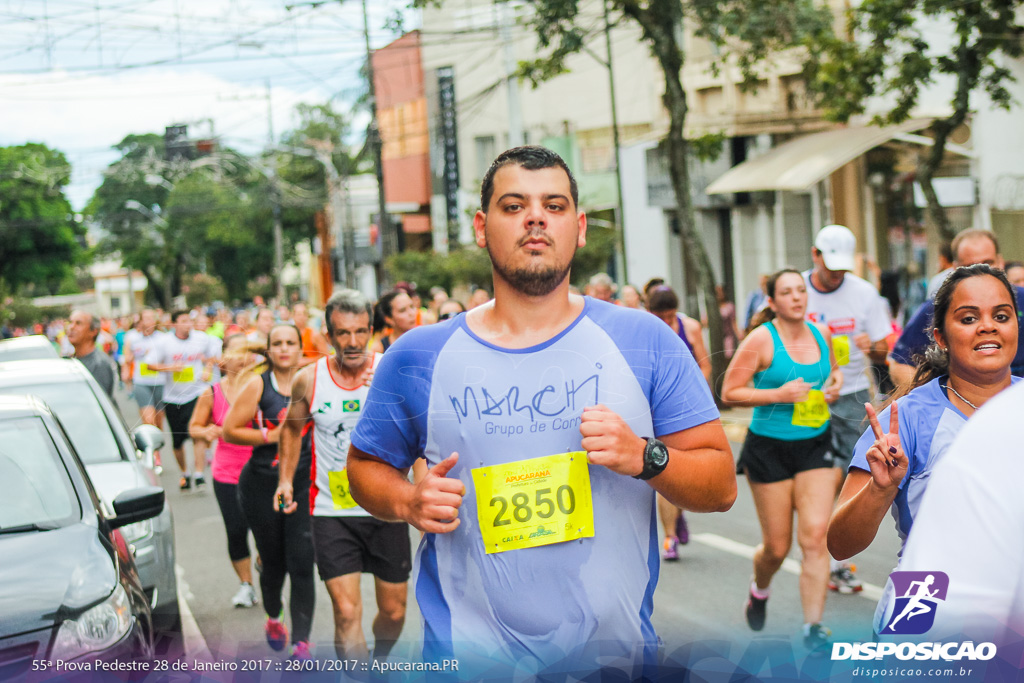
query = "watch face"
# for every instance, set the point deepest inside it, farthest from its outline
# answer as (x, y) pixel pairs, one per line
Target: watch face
(659, 454)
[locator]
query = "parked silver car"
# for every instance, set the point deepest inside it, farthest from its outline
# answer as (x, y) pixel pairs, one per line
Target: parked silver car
(27, 348)
(117, 460)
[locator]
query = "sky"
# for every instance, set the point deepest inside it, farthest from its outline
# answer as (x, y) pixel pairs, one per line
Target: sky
(80, 75)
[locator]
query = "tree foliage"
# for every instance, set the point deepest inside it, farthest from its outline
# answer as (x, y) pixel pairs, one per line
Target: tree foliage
(468, 266)
(215, 214)
(39, 236)
(893, 56)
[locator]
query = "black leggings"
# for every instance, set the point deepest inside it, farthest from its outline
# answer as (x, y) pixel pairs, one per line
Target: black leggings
(234, 520)
(285, 546)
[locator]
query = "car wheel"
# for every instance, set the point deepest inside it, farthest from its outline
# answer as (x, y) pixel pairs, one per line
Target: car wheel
(168, 639)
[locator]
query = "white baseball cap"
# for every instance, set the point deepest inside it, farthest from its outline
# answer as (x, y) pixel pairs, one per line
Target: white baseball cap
(837, 246)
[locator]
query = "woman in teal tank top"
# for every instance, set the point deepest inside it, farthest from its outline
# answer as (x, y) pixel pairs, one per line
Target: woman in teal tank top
(786, 455)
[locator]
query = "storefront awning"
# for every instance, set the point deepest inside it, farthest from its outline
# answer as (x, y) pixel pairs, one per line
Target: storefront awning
(796, 165)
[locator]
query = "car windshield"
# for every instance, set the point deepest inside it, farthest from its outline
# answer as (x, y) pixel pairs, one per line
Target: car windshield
(35, 490)
(79, 411)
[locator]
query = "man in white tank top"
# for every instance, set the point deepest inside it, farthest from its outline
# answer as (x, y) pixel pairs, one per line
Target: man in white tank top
(347, 541)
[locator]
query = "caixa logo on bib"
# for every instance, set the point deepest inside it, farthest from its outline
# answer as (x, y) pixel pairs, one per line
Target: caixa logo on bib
(918, 597)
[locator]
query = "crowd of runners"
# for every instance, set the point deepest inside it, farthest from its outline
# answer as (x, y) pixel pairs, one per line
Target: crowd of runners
(535, 437)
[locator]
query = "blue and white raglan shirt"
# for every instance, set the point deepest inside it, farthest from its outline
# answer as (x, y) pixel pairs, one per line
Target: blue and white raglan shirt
(442, 389)
(929, 423)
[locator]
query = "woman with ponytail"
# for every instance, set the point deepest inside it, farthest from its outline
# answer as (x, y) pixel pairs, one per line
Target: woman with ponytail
(787, 453)
(282, 538)
(974, 331)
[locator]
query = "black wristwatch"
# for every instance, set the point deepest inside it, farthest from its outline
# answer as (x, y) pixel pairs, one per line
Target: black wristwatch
(655, 459)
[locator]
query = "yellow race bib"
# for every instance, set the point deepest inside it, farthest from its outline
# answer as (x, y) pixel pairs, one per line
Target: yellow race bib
(841, 348)
(144, 370)
(340, 494)
(185, 375)
(534, 502)
(812, 412)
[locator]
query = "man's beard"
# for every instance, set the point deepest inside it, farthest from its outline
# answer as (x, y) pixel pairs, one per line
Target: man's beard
(532, 280)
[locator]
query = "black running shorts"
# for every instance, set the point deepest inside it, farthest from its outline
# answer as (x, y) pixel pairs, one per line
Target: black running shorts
(766, 460)
(347, 545)
(178, 417)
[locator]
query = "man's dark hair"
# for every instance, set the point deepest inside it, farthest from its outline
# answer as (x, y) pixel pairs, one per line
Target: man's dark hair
(662, 298)
(346, 301)
(946, 251)
(532, 158)
(178, 313)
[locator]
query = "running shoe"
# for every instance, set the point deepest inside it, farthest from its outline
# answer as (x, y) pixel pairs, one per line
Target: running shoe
(756, 611)
(682, 531)
(842, 580)
(185, 483)
(200, 480)
(300, 650)
(245, 597)
(670, 550)
(277, 634)
(817, 640)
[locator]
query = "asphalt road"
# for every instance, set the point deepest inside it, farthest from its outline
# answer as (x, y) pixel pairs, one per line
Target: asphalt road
(699, 598)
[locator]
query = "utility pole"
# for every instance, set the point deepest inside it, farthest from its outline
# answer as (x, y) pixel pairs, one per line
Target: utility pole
(275, 199)
(620, 224)
(391, 239)
(515, 110)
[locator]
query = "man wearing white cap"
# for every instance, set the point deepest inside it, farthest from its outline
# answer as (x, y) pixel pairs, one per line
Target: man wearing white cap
(853, 311)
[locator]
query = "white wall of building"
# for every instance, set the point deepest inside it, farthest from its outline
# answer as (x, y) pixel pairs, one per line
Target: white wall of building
(648, 252)
(463, 34)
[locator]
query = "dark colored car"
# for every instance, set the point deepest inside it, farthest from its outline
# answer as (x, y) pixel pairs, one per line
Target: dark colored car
(117, 460)
(69, 589)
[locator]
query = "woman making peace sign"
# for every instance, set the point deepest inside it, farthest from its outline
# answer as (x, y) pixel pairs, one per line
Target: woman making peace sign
(975, 340)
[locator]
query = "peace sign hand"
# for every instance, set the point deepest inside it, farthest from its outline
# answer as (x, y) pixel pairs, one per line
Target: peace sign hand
(886, 458)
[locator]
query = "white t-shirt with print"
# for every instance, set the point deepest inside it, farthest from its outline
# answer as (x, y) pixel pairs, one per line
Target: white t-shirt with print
(186, 384)
(850, 310)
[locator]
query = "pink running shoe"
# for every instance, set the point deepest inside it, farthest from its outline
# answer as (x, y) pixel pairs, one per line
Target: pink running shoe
(277, 634)
(300, 650)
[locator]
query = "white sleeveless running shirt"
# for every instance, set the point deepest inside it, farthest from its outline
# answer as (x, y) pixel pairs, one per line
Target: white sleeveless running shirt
(335, 409)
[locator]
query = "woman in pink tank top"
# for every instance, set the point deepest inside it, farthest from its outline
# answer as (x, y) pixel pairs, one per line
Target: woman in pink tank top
(229, 459)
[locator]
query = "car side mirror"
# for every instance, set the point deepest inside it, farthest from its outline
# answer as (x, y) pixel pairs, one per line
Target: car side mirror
(148, 439)
(136, 505)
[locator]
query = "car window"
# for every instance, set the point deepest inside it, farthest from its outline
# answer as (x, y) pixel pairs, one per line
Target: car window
(26, 353)
(80, 413)
(34, 485)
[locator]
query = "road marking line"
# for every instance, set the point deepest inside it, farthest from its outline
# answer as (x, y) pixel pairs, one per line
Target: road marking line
(195, 644)
(870, 592)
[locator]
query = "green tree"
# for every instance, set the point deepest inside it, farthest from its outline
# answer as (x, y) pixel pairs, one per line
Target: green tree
(744, 33)
(171, 220)
(39, 236)
(321, 134)
(892, 57)
(467, 266)
(127, 208)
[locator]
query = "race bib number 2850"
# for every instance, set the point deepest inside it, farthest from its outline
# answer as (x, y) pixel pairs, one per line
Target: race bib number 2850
(534, 502)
